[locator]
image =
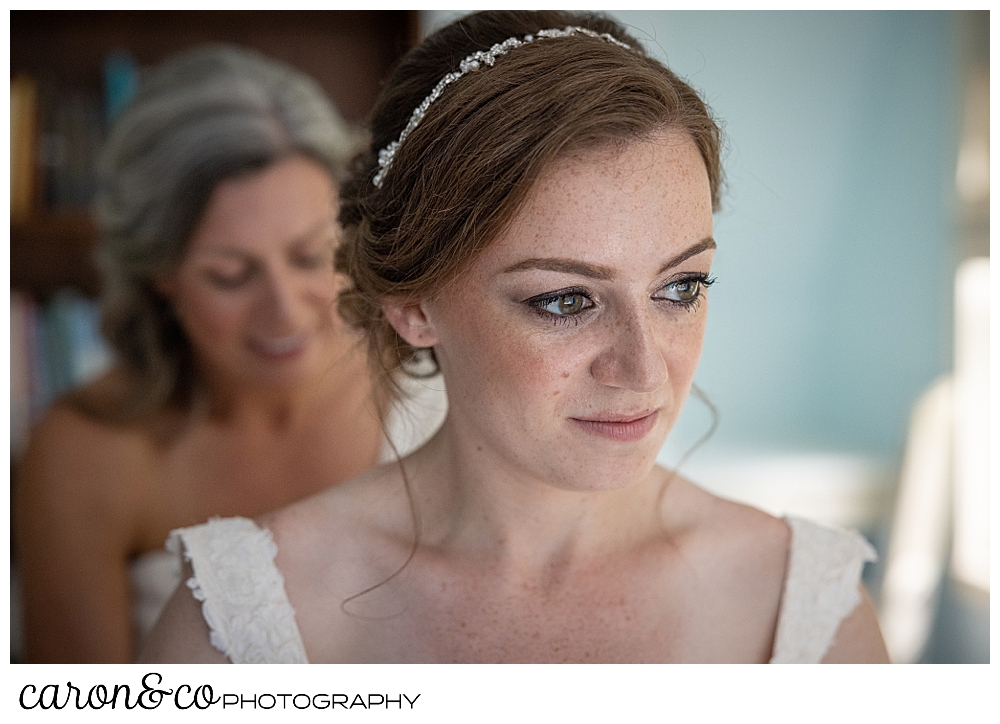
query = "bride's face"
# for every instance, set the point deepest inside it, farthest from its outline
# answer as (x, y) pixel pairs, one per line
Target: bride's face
(568, 347)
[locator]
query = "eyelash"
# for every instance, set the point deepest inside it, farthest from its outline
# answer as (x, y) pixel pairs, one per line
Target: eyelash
(704, 281)
(538, 304)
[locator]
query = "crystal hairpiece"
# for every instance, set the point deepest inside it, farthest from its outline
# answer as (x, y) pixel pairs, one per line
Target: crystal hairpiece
(469, 64)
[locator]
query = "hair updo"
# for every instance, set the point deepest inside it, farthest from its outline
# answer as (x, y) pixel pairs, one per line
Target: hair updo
(460, 178)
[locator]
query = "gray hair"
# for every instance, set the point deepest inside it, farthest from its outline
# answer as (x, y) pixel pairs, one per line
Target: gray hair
(205, 116)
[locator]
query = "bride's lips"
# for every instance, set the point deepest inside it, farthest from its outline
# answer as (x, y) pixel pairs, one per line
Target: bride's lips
(620, 428)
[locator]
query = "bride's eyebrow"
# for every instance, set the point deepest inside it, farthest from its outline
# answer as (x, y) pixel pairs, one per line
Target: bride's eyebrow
(597, 271)
(566, 266)
(705, 244)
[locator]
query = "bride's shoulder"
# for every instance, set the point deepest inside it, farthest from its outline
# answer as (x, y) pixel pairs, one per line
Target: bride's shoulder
(366, 512)
(743, 527)
(745, 544)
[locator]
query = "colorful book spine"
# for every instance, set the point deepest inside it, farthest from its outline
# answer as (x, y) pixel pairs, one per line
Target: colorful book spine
(73, 139)
(23, 145)
(38, 355)
(56, 134)
(121, 79)
(55, 347)
(20, 371)
(78, 320)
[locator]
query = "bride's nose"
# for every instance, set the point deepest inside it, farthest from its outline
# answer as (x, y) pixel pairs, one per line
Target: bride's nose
(632, 357)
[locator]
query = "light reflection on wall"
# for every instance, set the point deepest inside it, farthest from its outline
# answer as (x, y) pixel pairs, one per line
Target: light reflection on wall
(944, 483)
(970, 559)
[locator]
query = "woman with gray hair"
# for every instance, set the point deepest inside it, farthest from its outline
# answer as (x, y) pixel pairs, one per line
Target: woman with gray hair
(237, 389)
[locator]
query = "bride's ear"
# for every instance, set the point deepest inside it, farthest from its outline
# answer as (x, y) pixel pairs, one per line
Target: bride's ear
(410, 321)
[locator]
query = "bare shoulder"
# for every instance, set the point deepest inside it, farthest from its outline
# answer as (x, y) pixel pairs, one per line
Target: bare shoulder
(181, 635)
(74, 458)
(858, 639)
(737, 557)
(82, 420)
(750, 549)
(347, 517)
(320, 544)
(753, 548)
(762, 537)
(77, 517)
(336, 545)
(737, 537)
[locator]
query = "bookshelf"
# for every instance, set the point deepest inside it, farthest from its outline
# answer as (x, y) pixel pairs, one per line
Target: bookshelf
(347, 52)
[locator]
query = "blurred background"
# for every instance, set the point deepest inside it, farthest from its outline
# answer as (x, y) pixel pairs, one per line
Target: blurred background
(848, 368)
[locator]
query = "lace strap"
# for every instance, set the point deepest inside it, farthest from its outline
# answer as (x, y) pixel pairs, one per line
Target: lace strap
(241, 590)
(821, 589)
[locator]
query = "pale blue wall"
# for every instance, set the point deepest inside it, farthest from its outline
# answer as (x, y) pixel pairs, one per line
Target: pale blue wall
(835, 253)
(833, 304)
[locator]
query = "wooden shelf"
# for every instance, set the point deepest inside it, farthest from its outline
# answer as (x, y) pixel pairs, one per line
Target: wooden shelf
(54, 250)
(349, 53)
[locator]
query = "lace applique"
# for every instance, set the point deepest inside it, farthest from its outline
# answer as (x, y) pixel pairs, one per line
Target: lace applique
(241, 590)
(821, 589)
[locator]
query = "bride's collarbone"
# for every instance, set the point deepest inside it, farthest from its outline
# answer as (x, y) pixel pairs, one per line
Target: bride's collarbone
(648, 619)
(546, 633)
(711, 593)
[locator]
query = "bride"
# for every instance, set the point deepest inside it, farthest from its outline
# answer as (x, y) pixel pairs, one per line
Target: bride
(534, 217)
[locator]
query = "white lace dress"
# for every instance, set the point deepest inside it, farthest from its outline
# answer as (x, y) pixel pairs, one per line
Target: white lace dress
(252, 622)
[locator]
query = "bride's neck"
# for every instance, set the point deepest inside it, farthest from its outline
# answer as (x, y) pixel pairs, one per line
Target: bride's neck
(474, 507)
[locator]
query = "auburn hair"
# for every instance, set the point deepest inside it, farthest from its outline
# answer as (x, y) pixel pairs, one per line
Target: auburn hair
(460, 178)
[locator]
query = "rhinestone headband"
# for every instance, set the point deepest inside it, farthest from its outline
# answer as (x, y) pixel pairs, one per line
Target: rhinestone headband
(469, 64)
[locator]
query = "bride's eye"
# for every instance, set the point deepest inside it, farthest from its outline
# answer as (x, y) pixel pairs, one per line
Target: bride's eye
(567, 304)
(561, 306)
(685, 292)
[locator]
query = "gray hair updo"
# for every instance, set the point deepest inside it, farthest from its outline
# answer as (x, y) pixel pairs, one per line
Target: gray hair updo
(202, 117)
